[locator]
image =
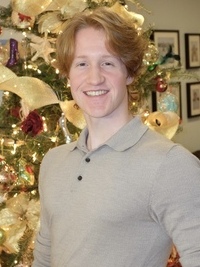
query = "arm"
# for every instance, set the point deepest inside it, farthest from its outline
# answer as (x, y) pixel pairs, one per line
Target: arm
(42, 243)
(176, 203)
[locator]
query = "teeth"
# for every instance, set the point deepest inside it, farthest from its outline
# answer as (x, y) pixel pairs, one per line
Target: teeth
(96, 93)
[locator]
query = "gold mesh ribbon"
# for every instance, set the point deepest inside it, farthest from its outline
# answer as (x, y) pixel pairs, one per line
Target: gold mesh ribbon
(30, 7)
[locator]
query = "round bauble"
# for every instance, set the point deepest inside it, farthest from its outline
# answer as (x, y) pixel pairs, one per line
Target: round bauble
(161, 85)
(168, 102)
(151, 56)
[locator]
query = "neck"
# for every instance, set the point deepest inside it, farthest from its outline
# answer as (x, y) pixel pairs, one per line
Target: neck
(100, 130)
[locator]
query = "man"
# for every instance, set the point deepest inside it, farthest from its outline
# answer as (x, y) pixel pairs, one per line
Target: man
(122, 194)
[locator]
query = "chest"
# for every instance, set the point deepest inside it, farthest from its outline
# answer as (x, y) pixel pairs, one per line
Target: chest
(100, 187)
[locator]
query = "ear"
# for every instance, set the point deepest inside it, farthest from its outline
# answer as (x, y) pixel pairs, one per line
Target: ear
(129, 80)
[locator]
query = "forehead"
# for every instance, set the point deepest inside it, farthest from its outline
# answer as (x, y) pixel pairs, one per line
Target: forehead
(89, 38)
(92, 38)
(90, 32)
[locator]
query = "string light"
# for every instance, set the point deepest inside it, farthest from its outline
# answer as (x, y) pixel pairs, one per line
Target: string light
(54, 139)
(45, 128)
(34, 157)
(13, 152)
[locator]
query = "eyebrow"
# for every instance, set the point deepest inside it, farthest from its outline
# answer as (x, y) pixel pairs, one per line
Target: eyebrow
(104, 57)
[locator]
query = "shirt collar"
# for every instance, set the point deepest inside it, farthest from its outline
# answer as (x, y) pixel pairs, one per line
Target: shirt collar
(126, 137)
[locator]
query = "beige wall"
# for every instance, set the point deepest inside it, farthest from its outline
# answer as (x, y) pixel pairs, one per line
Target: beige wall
(182, 15)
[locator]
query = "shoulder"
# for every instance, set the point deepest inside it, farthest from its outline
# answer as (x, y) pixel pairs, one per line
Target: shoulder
(177, 180)
(168, 162)
(155, 145)
(58, 153)
(177, 173)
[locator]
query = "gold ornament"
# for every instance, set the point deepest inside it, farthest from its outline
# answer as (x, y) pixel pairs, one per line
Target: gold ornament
(2, 236)
(13, 235)
(54, 22)
(137, 19)
(71, 7)
(151, 55)
(19, 215)
(165, 123)
(8, 217)
(30, 7)
(51, 22)
(73, 114)
(32, 215)
(56, 5)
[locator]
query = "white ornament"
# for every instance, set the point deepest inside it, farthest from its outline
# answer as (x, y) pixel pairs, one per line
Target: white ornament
(43, 48)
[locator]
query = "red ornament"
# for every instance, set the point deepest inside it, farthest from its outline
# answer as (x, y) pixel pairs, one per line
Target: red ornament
(24, 17)
(161, 85)
(29, 169)
(33, 124)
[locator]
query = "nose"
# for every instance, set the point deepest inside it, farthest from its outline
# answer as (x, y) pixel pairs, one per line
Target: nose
(95, 75)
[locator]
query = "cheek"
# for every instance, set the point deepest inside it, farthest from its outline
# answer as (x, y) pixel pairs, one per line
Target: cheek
(76, 91)
(120, 81)
(73, 82)
(73, 91)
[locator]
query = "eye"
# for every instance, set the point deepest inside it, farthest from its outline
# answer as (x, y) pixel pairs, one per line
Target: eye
(81, 64)
(77, 63)
(108, 63)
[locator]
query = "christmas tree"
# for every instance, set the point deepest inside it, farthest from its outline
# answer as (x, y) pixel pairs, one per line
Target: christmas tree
(38, 112)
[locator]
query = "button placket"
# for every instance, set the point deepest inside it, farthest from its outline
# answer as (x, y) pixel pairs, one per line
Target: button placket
(80, 177)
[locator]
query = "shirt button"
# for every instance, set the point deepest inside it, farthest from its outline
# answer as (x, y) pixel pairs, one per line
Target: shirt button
(80, 177)
(87, 159)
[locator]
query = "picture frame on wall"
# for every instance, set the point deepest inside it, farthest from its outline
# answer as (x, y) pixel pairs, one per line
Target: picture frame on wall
(192, 50)
(173, 88)
(193, 99)
(168, 45)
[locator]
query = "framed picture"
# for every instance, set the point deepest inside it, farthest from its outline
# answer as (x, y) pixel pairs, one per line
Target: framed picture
(193, 99)
(173, 88)
(168, 45)
(192, 50)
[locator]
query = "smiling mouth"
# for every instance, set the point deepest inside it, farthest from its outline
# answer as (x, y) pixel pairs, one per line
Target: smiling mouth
(96, 92)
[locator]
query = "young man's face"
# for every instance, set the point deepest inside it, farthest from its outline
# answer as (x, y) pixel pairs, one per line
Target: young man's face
(98, 79)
